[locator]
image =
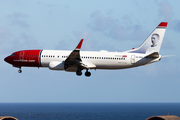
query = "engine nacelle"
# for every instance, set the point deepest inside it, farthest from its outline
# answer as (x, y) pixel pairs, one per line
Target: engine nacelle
(56, 65)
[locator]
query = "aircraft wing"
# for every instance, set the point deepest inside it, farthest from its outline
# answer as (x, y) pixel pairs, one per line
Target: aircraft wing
(75, 59)
(75, 54)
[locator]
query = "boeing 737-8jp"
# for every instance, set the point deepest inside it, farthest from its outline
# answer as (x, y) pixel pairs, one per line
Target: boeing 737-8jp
(76, 60)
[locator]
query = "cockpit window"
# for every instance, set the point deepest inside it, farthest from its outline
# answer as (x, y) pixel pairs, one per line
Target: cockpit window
(12, 54)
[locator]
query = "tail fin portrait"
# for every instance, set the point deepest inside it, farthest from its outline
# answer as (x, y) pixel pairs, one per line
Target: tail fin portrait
(153, 42)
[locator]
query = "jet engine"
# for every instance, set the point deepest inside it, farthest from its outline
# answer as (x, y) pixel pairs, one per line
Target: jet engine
(56, 65)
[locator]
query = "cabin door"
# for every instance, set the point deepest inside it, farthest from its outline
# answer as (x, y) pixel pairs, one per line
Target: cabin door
(132, 59)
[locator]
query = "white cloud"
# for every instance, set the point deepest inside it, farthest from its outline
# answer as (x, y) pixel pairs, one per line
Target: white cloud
(123, 29)
(18, 15)
(166, 10)
(176, 25)
(62, 45)
(29, 41)
(83, 35)
(4, 37)
(22, 41)
(10, 42)
(4, 34)
(100, 22)
(167, 44)
(18, 19)
(87, 37)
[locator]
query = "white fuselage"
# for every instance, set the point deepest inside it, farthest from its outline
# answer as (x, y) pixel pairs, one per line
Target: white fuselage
(101, 59)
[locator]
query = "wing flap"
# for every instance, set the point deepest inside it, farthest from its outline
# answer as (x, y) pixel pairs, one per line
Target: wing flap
(87, 65)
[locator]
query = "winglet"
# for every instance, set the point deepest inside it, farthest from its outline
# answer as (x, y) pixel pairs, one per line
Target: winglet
(79, 45)
(163, 24)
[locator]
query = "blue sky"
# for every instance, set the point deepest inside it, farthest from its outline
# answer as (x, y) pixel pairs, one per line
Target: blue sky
(105, 25)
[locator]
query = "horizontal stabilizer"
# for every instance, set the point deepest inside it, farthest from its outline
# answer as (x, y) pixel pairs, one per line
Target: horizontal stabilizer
(153, 55)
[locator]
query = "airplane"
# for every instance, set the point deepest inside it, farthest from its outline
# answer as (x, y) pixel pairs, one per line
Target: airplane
(76, 60)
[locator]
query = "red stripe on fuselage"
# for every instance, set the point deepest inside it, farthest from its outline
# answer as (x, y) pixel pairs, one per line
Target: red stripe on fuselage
(28, 58)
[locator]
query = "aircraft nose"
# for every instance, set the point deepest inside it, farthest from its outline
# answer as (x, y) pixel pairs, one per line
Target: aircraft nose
(7, 59)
